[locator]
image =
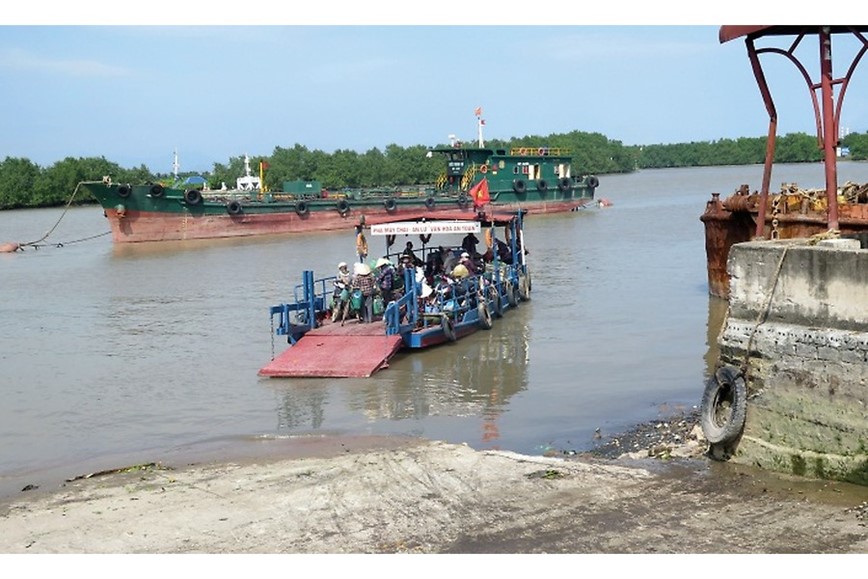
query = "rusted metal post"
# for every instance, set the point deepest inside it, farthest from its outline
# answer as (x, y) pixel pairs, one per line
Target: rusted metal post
(770, 139)
(830, 130)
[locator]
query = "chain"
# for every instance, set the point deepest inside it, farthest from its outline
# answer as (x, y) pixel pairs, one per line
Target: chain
(776, 210)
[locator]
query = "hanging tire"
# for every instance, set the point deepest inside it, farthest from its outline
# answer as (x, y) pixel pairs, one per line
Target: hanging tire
(497, 308)
(234, 208)
(593, 182)
(301, 208)
(430, 203)
(564, 184)
(519, 186)
(157, 190)
(463, 200)
(448, 328)
(524, 287)
(541, 185)
(191, 197)
(390, 204)
(124, 191)
(511, 294)
(724, 406)
(485, 321)
(343, 207)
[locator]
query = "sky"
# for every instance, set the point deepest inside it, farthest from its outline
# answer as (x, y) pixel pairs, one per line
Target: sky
(89, 80)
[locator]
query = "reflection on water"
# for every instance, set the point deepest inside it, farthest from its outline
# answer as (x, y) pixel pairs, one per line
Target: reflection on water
(475, 376)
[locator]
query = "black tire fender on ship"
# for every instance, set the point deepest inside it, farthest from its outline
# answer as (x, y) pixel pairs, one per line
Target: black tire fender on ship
(448, 328)
(485, 321)
(724, 406)
(430, 203)
(541, 185)
(463, 200)
(511, 294)
(157, 190)
(524, 287)
(343, 207)
(192, 197)
(124, 191)
(593, 182)
(234, 208)
(497, 308)
(390, 204)
(301, 208)
(519, 186)
(564, 184)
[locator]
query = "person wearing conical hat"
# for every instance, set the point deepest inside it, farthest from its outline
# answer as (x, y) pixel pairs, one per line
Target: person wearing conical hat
(364, 281)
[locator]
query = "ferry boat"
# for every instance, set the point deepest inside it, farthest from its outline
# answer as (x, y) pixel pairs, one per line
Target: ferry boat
(795, 211)
(447, 291)
(537, 179)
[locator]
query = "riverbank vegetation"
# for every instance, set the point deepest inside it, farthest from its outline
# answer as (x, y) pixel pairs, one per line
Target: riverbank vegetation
(25, 184)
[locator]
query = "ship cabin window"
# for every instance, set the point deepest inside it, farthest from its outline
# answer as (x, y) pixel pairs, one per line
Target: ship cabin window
(500, 152)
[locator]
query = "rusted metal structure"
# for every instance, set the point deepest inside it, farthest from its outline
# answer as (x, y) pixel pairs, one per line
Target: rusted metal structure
(792, 213)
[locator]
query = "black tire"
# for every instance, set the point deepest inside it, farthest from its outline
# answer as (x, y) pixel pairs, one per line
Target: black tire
(593, 182)
(524, 287)
(192, 197)
(448, 328)
(430, 203)
(301, 208)
(390, 204)
(541, 185)
(124, 191)
(157, 190)
(564, 184)
(519, 186)
(511, 294)
(724, 406)
(485, 321)
(463, 200)
(497, 307)
(343, 207)
(234, 208)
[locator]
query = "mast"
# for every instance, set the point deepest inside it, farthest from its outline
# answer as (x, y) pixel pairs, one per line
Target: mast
(175, 165)
(479, 124)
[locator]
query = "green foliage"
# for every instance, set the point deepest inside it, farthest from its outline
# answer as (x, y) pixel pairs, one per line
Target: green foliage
(792, 148)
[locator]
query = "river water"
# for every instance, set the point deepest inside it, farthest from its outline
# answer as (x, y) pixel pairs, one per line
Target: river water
(119, 355)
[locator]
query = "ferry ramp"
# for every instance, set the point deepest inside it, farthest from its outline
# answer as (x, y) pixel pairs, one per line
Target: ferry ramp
(352, 350)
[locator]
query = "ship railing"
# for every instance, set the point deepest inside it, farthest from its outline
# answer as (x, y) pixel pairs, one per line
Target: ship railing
(539, 152)
(310, 302)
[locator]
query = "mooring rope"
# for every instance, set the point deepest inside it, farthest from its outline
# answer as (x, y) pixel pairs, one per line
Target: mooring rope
(36, 244)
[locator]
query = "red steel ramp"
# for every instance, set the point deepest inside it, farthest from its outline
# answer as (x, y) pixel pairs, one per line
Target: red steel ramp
(334, 356)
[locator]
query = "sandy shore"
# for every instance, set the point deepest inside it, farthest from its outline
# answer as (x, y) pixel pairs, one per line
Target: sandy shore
(394, 495)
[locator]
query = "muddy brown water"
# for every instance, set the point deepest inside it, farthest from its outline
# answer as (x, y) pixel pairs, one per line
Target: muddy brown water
(119, 355)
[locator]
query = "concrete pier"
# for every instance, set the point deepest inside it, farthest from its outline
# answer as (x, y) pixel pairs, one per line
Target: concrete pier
(797, 326)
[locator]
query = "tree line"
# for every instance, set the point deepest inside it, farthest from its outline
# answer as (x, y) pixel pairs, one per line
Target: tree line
(25, 184)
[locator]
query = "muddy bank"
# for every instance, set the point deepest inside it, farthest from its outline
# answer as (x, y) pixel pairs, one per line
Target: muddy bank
(359, 495)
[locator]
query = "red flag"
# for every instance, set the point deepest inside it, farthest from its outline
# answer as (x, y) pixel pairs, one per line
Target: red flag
(479, 193)
(478, 111)
(264, 165)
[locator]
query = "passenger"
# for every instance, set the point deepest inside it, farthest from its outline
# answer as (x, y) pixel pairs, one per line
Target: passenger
(468, 263)
(451, 261)
(364, 281)
(434, 264)
(344, 275)
(408, 252)
(361, 244)
(468, 244)
(385, 278)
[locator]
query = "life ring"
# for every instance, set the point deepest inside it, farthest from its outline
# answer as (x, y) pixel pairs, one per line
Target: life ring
(430, 203)
(390, 204)
(564, 184)
(463, 200)
(301, 208)
(724, 406)
(343, 207)
(448, 328)
(192, 197)
(519, 186)
(234, 208)
(593, 182)
(483, 169)
(541, 151)
(522, 151)
(542, 185)
(124, 191)
(489, 238)
(157, 190)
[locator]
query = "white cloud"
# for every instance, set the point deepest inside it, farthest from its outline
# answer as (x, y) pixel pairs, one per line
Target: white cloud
(20, 60)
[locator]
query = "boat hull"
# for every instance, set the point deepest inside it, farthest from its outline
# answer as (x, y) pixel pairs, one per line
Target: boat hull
(733, 220)
(136, 215)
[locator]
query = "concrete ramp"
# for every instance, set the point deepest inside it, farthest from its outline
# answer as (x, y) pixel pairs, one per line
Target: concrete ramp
(318, 355)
